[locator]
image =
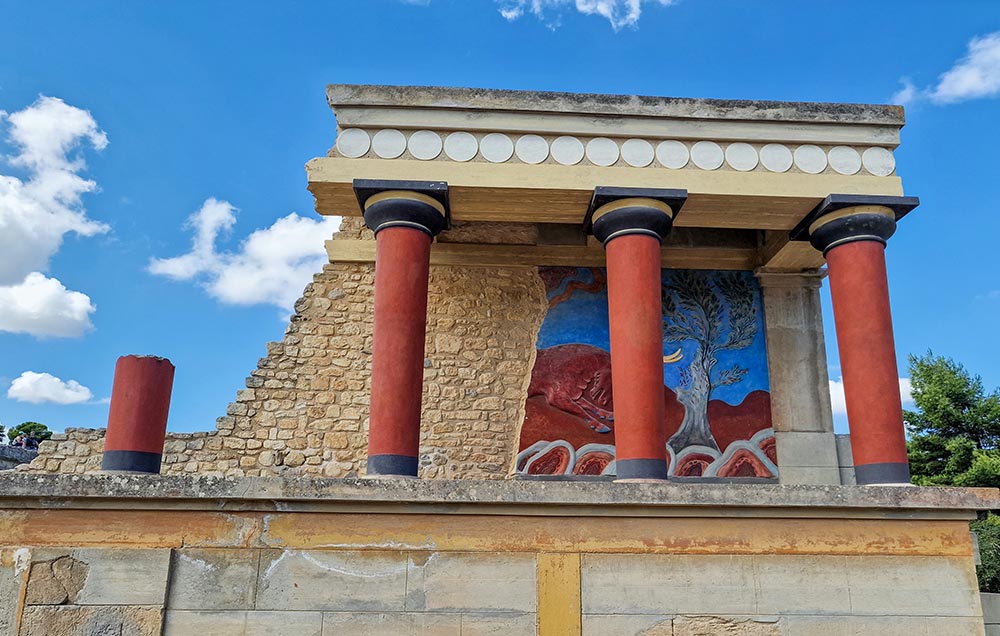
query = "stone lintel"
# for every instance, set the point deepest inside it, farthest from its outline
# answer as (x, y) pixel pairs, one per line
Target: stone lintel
(542, 498)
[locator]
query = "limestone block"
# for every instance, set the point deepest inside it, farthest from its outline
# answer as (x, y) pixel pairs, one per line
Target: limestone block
(14, 565)
(913, 586)
(881, 626)
(667, 584)
(810, 476)
(392, 624)
(471, 582)
(372, 581)
(242, 623)
(729, 626)
(804, 449)
(625, 625)
(802, 584)
(75, 620)
(499, 624)
(991, 608)
(213, 579)
(118, 576)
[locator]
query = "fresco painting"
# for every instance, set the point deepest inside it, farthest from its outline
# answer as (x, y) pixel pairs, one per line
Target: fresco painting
(717, 410)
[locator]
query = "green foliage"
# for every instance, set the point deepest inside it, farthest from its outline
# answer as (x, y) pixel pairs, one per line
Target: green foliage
(40, 430)
(988, 572)
(951, 402)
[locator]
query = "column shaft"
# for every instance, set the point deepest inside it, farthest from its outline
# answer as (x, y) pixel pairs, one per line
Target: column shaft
(402, 266)
(137, 420)
(636, 324)
(860, 293)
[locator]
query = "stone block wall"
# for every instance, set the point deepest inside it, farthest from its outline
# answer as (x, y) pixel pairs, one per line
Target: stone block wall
(304, 410)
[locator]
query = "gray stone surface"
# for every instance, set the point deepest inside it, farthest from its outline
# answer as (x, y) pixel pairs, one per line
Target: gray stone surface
(357, 581)
(11, 457)
(991, 608)
(18, 491)
(616, 105)
(213, 579)
(14, 566)
(475, 582)
(101, 576)
(912, 586)
(846, 460)
(242, 623)
(626, 625)
(391, 624)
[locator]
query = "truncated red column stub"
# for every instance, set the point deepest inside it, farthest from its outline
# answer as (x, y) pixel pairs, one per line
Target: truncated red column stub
(137, 421)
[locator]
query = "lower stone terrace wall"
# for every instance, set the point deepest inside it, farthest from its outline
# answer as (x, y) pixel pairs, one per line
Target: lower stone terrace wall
(304, 410)
(132, 555)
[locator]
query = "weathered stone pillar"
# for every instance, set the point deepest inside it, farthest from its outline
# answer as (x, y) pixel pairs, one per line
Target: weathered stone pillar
(405, 217)
(797, 369)
(137, 420)
(631, 223)
(851, 231)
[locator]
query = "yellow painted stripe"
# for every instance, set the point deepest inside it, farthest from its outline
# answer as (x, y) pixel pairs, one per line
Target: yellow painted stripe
(559, 595)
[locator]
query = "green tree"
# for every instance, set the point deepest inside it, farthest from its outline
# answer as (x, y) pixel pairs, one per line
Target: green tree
(40, 430)
(953, 439)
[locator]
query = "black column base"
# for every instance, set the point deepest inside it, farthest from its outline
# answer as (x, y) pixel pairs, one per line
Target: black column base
(641, 469)
(392, 465)
(888, 473)
(131, 461)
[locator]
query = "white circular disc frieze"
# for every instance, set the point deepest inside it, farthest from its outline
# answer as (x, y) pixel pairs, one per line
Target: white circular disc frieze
(425, 145)
(879, 161)
(567, 150)
(776, 158)
(707, 155)
(389, 144)
(461, 146)
(672, 154)
(741, 156)
(638, 153)
(602, 151)
(353, 143)
(532, 149)
(496, 148)
(845, 160)
(810, 159)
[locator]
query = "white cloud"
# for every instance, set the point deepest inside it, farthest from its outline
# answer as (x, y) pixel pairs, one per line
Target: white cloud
(839, 403)
(905, 95)
(38, 211)
(974, 76)
(271, 266)
(43, 307)
(38, 388)
(619, 13)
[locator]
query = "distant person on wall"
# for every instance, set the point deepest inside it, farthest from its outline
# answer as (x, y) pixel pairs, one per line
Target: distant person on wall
(18, 442)
(31, 443)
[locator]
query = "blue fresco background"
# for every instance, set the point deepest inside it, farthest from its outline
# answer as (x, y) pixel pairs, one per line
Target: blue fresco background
(583, 319)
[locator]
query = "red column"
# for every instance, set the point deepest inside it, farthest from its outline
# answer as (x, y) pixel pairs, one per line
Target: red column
(632, 223)
(636, 322)
(852, 230)
(402, 266)
(860, 294)
(405, 217)
(137, 421)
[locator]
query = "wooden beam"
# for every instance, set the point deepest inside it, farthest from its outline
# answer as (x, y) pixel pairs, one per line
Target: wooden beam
(780, 254)
(482, 255)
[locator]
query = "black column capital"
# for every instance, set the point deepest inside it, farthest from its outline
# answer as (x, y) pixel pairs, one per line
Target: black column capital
(421, 205)
(845, 218)
(618, 212)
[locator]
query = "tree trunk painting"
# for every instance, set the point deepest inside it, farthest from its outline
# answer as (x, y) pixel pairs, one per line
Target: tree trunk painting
(717, 313)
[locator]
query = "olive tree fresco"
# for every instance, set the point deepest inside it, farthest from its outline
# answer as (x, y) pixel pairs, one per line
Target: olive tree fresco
(717, 412)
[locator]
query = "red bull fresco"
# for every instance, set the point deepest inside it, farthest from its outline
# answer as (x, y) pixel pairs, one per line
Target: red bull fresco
(715, 392)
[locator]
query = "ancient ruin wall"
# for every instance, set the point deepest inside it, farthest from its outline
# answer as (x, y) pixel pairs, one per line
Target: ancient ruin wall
(305, 407)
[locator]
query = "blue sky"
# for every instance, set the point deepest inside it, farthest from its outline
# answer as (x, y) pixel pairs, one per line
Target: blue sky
(155, 111)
